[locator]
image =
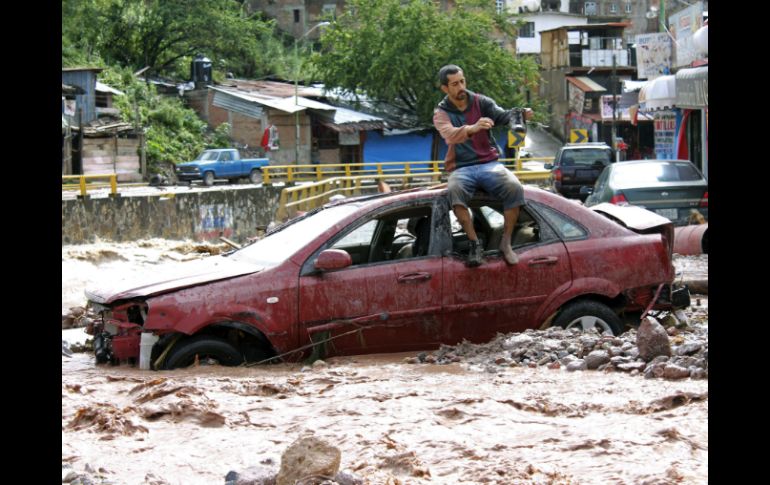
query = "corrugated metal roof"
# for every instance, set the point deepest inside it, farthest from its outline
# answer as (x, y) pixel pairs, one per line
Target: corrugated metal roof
(586, 84)
(103, 88)
(237, 104)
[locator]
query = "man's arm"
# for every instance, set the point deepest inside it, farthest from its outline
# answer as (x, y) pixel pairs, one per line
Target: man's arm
(457, 134)
(500, 116)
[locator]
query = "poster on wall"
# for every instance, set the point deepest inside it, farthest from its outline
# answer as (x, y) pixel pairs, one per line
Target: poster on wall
(577, 98)
(665, 135)
(215, 220)
(682, 26)
(653, 55)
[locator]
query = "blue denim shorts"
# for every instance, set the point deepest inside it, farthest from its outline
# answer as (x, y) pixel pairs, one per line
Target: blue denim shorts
(492, 177)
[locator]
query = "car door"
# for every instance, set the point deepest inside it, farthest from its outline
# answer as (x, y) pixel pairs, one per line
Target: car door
(228, 167)
(388, 304)
(497, 297)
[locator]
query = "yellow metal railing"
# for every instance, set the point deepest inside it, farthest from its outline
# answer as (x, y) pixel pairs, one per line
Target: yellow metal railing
(308, 196)
(291, 174)
(83, 185)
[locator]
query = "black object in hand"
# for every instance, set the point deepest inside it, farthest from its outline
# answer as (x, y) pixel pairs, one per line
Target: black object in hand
(518, 123)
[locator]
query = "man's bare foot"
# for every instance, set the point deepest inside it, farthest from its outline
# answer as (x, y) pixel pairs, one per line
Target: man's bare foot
(508, 254)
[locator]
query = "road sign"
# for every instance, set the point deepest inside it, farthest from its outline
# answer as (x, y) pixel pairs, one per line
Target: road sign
(578, 136)
(515, 140)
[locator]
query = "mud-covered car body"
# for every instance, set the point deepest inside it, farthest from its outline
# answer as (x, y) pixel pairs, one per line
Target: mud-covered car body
(342, 274)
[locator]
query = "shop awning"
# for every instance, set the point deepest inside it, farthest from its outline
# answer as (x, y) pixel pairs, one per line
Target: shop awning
(692, 88)
(585, 84)
(658, 94)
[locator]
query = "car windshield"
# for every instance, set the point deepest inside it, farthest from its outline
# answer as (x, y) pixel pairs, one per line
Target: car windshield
(587, 156)
(208, 156)
(636, 174)
(279, 246)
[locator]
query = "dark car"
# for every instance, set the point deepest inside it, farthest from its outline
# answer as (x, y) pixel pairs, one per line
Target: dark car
(576, 167)
(675, 189)
(387, 273)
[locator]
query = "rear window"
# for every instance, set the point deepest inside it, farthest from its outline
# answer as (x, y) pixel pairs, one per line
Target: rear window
(642, 173)
(588, 156)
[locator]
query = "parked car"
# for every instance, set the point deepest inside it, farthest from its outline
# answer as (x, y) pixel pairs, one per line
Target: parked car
(387, 273)
(576, 167)
(222, 163)
(675, 189)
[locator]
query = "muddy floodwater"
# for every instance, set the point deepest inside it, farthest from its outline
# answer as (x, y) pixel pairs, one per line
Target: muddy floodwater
(395, 423)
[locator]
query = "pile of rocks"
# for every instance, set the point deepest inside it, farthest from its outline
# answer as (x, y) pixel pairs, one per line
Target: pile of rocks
(676, 352)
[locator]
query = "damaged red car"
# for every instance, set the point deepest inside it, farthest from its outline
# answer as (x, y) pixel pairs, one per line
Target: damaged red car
(387, 273)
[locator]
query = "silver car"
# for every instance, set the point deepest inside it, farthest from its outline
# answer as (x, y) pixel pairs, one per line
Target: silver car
(675, 189)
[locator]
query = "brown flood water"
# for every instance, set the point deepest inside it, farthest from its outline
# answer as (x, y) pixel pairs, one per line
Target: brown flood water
(395, 423)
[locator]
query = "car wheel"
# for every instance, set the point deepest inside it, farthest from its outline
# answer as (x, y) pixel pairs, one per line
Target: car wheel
(207, 348)
(208, 179)
(587, 314)
(255, 176)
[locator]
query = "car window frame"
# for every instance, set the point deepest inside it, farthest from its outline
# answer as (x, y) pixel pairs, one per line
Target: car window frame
(308, 267)
(538, 206)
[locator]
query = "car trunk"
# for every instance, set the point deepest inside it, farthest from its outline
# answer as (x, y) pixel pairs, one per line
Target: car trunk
(640, 220)
(670, 202)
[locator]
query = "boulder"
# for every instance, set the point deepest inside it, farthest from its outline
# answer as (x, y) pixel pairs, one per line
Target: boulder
(308, 456)
(652, 340)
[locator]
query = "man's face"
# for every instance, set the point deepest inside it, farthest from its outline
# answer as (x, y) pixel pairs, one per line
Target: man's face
(455, 87)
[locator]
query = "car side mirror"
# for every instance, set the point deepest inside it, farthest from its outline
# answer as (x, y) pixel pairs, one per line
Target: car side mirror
(332, 259)
(548, 166)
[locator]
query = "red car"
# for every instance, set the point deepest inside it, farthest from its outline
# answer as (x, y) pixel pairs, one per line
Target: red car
(387, 273)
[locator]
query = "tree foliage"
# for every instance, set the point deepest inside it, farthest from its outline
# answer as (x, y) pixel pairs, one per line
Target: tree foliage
(392, 50)
(166, 34)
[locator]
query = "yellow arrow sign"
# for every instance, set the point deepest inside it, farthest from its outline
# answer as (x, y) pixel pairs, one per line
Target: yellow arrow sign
(578, 136)
(515, 140)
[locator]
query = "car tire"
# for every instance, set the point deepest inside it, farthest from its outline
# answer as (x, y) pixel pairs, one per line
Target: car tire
(589, 314)
(255, 177)
(208, 179)
(205, 347)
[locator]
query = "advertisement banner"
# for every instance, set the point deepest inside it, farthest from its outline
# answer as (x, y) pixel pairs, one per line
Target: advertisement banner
(665, 135)
(653, 55)
(682, 26)
(577, 98)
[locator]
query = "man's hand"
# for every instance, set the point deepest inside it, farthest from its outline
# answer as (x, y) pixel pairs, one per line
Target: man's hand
(528, 114)
(481, 124)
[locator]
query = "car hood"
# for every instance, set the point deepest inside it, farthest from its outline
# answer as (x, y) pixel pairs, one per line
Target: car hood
(633, 217)
(178, 276)
(195, 163)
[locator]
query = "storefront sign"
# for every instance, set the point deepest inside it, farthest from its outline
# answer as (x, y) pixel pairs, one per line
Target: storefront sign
(665, 135)
(683, 25)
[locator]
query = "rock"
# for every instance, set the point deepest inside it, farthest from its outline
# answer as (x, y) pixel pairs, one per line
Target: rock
(588, 343)
(421, 356)
(578, 364)
(319, 364)
(411, 360)
(671, 371)
(654, 370)
(254, 475)
(67, 321)
(544, 360)
(346, 478)
(554, 365)
(68, 476)
(501, 361)
(567, 359)
(430, 359)
(652, 340)
(617, 360)
(65, 349)
(77, 311)
(661, 359)
(689, 348)
(696, 373)
(596, 359)
(672, 331)
(308, 456)
(517, 341)
(306, 368)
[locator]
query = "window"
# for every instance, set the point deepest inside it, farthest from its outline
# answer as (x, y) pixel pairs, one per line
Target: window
(499, 5)
(565, 226)
(613, 8)
(628, 8)
(528, 30)
(329, 11)
(393, 236)
(590, 8)
(488, 223)
(296, 15)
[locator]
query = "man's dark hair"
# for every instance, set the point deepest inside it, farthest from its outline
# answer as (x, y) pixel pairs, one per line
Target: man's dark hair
(444, 72)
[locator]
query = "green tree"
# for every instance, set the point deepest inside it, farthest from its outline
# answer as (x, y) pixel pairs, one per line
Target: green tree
(166, 34)
(391, 50)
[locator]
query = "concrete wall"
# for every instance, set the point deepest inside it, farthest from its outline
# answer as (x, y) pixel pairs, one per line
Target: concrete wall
(201, 216)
